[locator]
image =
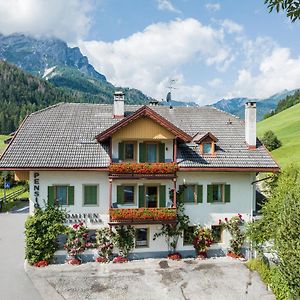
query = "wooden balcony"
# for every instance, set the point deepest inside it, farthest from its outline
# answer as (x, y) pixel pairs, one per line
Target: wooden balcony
(127, 216)
(147, 170)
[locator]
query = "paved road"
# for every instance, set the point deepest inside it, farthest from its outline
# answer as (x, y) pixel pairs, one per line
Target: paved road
(14, 283)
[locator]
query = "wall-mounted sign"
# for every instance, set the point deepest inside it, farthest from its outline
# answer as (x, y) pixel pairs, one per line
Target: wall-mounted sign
(93, 218)
(36, 187)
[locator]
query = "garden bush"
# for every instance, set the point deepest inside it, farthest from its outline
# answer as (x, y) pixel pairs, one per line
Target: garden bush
(41, 231)
(123, 239)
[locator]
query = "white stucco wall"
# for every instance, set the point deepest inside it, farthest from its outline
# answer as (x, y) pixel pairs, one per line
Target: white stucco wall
(207, 214)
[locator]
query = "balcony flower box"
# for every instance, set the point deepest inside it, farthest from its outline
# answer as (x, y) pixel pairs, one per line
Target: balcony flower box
(143, 168)
(142, 214)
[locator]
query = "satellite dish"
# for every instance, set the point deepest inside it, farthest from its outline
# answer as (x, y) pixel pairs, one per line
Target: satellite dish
(169, 98)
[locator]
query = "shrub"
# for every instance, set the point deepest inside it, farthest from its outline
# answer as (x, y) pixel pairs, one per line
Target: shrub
(76, 240)
(104, 243)
(270, 140)
(41, 231)
(123, 239)
(202, 239)
(237, 235)
(272, 277)
(279, 225)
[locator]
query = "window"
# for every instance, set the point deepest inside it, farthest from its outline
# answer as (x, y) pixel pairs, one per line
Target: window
(190, 194)
(207, 148)
(129, 151)
(218, 192)
(151, 154)
(217, 233)
(128, 194)
(151, 196)
(141, 237)
(61, 195)
(188, 235)
(90, 194)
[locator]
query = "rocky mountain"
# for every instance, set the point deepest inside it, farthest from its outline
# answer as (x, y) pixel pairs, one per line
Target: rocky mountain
(236, 106)
(52, 60)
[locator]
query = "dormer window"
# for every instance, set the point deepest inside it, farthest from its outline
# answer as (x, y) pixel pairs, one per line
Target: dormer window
(207, 142)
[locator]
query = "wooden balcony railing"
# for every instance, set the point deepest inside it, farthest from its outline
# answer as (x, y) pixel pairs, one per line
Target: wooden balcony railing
(142, 215)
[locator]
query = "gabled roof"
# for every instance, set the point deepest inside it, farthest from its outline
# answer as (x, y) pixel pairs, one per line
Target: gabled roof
(144, 111)
(198, 138)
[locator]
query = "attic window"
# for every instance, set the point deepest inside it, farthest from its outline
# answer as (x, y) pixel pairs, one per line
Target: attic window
(206, 143)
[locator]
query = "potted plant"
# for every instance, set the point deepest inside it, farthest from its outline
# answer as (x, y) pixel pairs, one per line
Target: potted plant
(123, 239)
(202, 241)
(104, 245)
(76, 243)
(237, 240)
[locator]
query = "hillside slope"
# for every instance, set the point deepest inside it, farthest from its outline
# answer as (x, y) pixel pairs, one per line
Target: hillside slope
(286, 125)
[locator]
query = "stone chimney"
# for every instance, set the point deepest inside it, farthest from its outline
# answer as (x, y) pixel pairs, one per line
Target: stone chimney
(119, 98)
(250, 124)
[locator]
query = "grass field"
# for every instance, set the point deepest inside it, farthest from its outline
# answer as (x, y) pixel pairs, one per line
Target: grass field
(286, 125)
(2, 145)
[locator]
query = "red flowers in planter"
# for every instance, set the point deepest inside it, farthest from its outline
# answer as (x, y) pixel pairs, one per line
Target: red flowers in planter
(175, 256)
(143, 168)
(120, 259)
(41, 263)
(101, 259)
(142, 214)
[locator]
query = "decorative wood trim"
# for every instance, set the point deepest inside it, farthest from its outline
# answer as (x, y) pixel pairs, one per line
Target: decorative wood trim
(144, 111)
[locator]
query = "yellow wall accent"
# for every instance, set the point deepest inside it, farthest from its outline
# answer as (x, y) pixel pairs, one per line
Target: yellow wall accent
(21, 175)
(145, 129)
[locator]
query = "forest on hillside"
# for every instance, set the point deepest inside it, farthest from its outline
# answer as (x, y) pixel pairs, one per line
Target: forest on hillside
(22, 94)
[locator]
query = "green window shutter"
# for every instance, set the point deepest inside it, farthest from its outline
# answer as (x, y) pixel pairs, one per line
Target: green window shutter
(142, 148)
(70, 195)
(162, 196)
(161, 152)
(141, 196)
(90, 194)
(120, 194)
(227, 193)
(121, 151)
(199, 193)
(50, 195)
(181, 196)
(209, 193)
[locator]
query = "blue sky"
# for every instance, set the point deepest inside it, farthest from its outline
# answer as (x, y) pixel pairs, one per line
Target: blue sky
(213, 49)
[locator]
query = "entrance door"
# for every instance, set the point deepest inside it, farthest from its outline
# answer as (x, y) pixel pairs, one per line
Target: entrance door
(151, 196)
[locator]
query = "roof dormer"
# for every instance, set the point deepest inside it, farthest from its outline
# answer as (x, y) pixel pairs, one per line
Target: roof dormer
(207, 143)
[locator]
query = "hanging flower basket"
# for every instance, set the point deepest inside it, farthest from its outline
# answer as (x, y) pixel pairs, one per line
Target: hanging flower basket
(143, 168)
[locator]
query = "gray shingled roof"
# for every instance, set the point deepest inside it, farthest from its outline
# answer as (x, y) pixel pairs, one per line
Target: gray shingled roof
(62, 136)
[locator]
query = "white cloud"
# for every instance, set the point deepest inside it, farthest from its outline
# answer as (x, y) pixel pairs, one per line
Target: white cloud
(231, 26)
(166, 5)
(65, 19)
(215, 83)
(213, 6)
(277, 72)
(147, 60)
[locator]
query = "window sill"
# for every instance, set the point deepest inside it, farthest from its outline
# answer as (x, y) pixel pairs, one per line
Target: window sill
(91, 205)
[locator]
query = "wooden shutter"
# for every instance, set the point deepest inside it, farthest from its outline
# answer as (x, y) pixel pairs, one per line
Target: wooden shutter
(209, 193)
(90, 194)
(50, 195)
(181, 197)
(162, 196)
(120, 194)
(227, 193)
(142, 148)
(141, 196)
(121, 150)
(199, 193)
(70, 195)
(161, 152)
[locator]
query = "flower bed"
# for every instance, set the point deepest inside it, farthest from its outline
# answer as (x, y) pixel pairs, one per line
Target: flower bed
(175, 256)
(143, 168)
(142, 214)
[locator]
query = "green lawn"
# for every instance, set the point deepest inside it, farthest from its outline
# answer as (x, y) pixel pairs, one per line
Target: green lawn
(2, 145)
(286, 125)
(13, 189)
